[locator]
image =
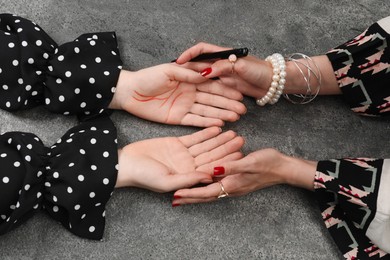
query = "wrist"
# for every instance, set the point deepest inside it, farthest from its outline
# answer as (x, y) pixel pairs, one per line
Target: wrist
(298, 172)
(122, 179)
(126, 82)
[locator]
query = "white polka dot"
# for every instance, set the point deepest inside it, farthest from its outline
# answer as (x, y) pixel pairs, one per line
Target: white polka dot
(71, 165)
(93, 167)
(83, 66)
(3, 155)
(11, 44)
(66, 113)
(98, 95)
(30, 61)
(61, 58)
(56, 175)
(82, 151)
(39, 194)
(50, 68)
(77, 91)
(16, 164)
(18, 147)
(77, 207)
(106, 73)
(45, 56)
(69, 140)
(15, 63)
(93, 141)
(98, 60)
(113, 89)
(91, 80)
(24, 43)
(5, 87)
(68, 74)
(47, 101)
(20, 30)
(61, 98)
(76, 50)
(8, 104)
(55, 209)
(3, 217)
(83, 104)
(5, 179)
(104, 214)
(117, 167)
(94, 37)
(1, 70)
(39, 174)
(55, 199)
(80, 177)
(17, 204)
(92, 43)
(27, 158)
(92, 195)
(28, 87)
(27, 186)
(47, 184)
(113, 52)
(12, 207)
(20, 81)
(69, 190)
(106, 154)
(36, 206)
(29, 146)
(106, 181)
(59, 81)
(37, 29)
(38, 43)
(83, 216)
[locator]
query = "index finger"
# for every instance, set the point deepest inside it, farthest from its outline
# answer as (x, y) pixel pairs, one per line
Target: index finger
(198, 49)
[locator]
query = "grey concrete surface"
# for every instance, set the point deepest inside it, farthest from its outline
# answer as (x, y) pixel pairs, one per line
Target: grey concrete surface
(275, 223)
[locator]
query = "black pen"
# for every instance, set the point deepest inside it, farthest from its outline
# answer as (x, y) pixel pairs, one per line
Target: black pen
(241, 52)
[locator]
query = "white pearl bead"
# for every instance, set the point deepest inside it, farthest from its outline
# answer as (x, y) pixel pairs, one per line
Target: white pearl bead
(275, 78)
(282, 74)
(274, 84)
(272, 89)
(282, 81)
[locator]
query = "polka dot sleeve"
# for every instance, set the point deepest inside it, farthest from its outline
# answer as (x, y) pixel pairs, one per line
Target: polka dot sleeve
(72, 180)
(78, 77)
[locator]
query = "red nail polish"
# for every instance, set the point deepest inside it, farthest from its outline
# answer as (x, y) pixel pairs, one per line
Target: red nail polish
(175, 205)
(219, 170)
(206, 72)
(177, 197)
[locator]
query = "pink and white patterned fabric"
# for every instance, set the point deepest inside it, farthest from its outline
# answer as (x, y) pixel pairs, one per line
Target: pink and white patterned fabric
(354, 193)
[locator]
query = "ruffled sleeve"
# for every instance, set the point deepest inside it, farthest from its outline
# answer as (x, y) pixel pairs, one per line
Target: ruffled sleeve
(362, 69)
(72, 180)
(78, 77)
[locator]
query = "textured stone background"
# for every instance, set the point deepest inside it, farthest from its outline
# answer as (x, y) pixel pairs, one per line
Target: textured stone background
(276, 223)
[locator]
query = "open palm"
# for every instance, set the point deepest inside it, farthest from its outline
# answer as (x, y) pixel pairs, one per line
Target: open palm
(170, 163)
(171, 94)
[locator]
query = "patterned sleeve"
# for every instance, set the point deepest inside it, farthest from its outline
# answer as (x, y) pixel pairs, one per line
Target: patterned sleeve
(78, 77)
(362, 69)
(72, 180)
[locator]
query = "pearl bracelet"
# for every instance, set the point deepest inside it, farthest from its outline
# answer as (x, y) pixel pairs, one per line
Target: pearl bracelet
(278, 80)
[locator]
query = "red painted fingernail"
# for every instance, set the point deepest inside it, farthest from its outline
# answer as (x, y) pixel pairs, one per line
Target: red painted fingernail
(177, 197)
(219, 170)
(206, 72)
(175, 205)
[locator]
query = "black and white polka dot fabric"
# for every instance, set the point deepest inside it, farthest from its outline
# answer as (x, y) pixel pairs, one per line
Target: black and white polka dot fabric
(72, 180)
(78, 77)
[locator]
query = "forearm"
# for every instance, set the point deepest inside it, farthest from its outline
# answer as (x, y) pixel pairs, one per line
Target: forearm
(296, 84)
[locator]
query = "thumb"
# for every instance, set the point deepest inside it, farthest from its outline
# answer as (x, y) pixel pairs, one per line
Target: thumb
(232, 167)
(185, 75)
(180, 181)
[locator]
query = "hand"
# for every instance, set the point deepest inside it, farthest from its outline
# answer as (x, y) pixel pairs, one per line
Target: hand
(251, 77)
(171, 163)
(171, 94)
(258, 170)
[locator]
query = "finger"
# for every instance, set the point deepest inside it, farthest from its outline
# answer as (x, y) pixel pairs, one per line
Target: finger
(198, 49)
(214, 112)
(180, 181)
(196, 66)
(214, 87)
(199, 121)
(231, 146)
(200, 136)
(206, 192)
(225, 68)
(221, 102)
(209, 167)
(211, 143)
(181, 74)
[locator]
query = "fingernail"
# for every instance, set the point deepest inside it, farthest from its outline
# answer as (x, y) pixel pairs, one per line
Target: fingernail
(219, 170)
(175, 205)
(176, 197)
(206, 72)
